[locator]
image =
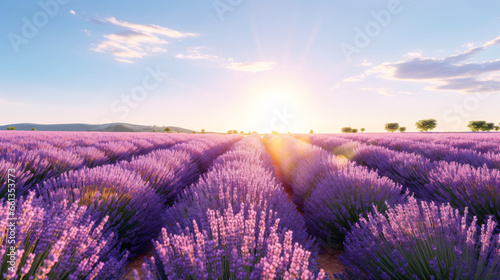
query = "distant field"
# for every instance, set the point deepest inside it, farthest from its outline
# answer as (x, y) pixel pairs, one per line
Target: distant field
(93, 205)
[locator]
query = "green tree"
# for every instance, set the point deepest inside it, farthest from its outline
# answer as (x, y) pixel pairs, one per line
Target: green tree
(311, 131)
(391, 127)
(362, 130)
(354, 130)
(11, 128)
(402, 129)
(242, 132)
(203, 131)
(488, 127)
(497, 128)
(426, 125)
(168, 129)
(476, 126)
(33, 129)
(346, 129)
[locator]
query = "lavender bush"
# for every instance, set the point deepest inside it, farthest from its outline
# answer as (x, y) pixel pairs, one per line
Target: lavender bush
(56, 242)
(421, 241)
(464, 186)
(133, 208)
(240, 175)
(342, 197)
(232, 247)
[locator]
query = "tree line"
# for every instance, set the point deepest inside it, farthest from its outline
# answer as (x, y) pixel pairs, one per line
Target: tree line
(429, 125)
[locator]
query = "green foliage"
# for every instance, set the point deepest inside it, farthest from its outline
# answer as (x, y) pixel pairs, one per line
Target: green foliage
(391, 127)
(354, 130)
(11, 128)
(168, 129)
(476, 125)
(33, 129)
(154, 130)
(488, 127)
(311, 131)
(203, 131)
(496, 128)
(426, 125)
(346, 129)
(402, 129)
(362, 130)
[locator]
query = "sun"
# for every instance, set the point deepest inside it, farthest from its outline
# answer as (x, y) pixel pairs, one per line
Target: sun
(276, 109)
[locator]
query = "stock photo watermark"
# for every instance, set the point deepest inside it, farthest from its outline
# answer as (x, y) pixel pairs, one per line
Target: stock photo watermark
(363, 36)
(11, 221)
(151, 81)
(460, 112)
(225, 6)
(280, 120)
(31, 26)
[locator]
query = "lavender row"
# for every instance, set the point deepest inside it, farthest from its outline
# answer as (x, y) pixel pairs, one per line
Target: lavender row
(131, 194)
(333, 193)
(36, 160)
(59, 241)
(480, 142)
(421, 240)
(235, 223)
(460, 184)
(441, 152)
(169, 171)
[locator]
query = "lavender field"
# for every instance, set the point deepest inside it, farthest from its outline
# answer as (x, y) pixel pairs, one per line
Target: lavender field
(85, 205)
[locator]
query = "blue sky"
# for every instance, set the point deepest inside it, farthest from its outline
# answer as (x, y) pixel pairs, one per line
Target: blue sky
(250, 65)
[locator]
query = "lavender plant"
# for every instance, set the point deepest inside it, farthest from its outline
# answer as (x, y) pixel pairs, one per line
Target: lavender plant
(342, 197)
(56, 242)
(421, 241)
(466, 187)
(133, 208)
(235, 177)
(231, 246)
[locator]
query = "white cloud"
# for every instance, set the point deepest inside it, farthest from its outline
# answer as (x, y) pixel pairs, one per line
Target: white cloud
(388, 92)
(366, 63)
(72, 12)
(150, 28)
(451, 73)
(229, 63)
(137, 41)
(355, 78)
(195, 53)
(123, 60)
(251, 66)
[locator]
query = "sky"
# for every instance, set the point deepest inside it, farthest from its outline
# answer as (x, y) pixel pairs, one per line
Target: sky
(250, 65)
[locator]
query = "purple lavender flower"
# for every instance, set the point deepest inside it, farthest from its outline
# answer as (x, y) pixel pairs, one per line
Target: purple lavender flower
(232, 247)
(56, 242)
(133, 208)
(341, 197)
(421, 240)
(464, 186)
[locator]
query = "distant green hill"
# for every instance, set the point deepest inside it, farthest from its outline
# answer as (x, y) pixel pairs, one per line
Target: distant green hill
(112, 127)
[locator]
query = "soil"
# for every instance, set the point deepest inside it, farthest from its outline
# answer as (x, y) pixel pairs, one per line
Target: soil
(136, 263)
